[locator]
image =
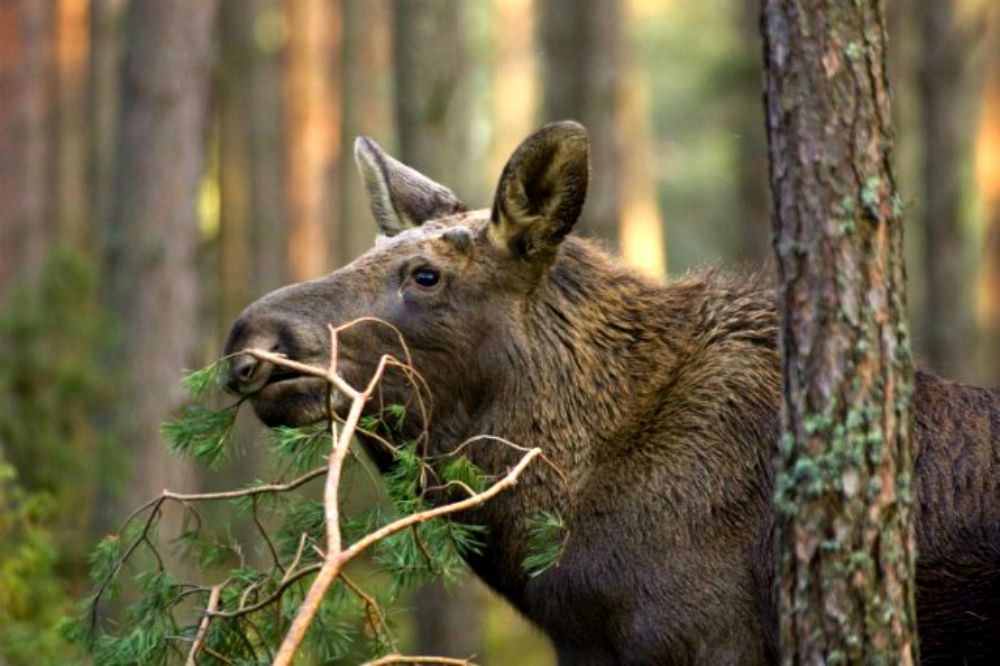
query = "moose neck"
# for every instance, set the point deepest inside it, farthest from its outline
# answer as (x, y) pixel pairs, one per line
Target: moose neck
(589, 333)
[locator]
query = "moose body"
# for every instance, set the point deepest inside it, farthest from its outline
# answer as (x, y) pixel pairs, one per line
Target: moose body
(657, 402)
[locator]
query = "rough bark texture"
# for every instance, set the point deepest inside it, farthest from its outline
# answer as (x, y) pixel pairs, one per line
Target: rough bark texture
(152, 281)
(845, 527)
(26, 63)
(434, 125)
(942, 49)
(581, 80)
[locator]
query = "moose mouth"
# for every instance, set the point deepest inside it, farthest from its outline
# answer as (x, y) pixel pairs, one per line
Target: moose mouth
(292, 399)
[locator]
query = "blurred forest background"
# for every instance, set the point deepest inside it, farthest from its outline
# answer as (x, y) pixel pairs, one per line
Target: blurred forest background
(165, 162)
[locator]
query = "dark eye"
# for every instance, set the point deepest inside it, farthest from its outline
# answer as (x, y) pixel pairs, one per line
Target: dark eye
(426, 277)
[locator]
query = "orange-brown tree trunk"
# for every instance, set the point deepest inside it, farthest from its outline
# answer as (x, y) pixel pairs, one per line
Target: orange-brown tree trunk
(26, 116)
(845, 530)
(312, 128)
(988, 181)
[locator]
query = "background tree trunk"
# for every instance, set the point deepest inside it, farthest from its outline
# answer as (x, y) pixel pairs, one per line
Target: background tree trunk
(988, 180)
(845, 519)
(366, 63)
(940, 82)
(26, 115)
(252, 237)
(103, 92)
(752, 149)
(151, 270)
(581, 80)
(434, 124)
(312, 126)
(71, 195)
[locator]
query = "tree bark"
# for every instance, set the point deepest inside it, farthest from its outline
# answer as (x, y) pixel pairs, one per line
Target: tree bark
(26, 115)
(151, 272)
(940, 80)
(581, 80)
(845, 531)
(434, 125)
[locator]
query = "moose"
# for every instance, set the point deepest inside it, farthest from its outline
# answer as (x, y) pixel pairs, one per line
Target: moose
(657, 401)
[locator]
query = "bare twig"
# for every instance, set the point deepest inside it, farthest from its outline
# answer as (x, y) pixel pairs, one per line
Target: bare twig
(414, 659)
(336, 556)
(199, 639)
(372, 608)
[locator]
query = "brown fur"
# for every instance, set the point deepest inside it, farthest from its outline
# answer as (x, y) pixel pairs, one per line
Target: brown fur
(658, 401)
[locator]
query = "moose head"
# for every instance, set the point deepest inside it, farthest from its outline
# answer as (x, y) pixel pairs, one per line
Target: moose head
(452, 283)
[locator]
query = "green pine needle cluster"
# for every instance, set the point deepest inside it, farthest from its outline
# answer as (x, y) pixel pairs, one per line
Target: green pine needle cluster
(546, 538)
(201, 433)
(206, 381)
(264, 581)
(302, 449)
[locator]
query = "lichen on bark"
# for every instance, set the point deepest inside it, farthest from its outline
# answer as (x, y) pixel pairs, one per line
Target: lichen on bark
(845, 522)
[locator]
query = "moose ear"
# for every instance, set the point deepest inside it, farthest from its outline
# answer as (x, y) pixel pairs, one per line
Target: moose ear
(542, 190)
(400, 197)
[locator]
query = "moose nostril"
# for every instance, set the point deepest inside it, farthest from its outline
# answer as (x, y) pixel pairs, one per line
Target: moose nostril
(241, 372)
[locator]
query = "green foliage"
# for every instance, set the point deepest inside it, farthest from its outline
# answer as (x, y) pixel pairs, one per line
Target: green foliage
(202, 383)
(32, 597)
(302, 449)
(201, 432)
(546, 538)
(263, 583)
(52, 383)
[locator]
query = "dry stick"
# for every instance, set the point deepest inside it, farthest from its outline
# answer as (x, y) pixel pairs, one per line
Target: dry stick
(199, 639)
(412, 659)
(371, 607)
(336, 558)
(328, 572)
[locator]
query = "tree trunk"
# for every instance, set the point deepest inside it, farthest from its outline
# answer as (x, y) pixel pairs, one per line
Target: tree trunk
(845, 517)
(26, 114)
(988, 181)
(252, 238)
(515, 79)
(946, 320)
(71, 195)
(434, 125)
(751, 152)
(151, 271)
(103, 92)
(581, 80)
(366, 77)
(312, 126)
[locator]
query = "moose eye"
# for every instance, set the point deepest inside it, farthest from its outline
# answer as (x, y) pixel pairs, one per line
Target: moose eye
(426, 277)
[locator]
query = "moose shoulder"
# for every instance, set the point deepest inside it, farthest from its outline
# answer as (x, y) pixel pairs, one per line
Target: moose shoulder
(657, 401)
